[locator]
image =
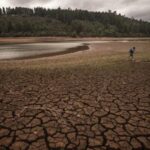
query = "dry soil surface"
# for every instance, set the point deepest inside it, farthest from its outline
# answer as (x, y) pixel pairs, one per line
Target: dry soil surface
(93, 103)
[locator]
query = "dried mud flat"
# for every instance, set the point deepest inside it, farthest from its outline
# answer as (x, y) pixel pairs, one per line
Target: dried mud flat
(89, 105)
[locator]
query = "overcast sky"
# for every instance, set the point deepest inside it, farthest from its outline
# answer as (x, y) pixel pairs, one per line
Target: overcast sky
(139, 9)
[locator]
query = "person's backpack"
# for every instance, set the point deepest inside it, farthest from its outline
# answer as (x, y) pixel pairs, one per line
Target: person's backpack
(131, 50)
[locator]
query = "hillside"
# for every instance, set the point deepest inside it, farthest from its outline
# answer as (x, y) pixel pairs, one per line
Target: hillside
(66, 22)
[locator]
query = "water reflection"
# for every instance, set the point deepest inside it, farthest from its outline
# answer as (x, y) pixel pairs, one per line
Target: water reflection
(34, 49)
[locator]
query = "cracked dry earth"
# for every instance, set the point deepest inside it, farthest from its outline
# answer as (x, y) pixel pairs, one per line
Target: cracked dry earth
(78, 108)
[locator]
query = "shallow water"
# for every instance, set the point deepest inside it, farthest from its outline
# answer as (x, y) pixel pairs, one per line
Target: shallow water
(19, 51)
(15, 51)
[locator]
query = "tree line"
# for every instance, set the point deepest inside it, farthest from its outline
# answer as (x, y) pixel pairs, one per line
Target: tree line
(67, 22)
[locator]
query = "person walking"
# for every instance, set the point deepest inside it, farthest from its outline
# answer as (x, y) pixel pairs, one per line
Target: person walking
(132, 52)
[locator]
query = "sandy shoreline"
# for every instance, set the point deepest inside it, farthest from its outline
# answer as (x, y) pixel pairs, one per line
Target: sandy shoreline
(17, 40)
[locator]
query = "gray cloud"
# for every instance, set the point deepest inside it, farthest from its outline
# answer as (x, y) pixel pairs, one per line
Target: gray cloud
(84, 4)
(139, 9)
(142, 13)
(28, 3)
(127, 2)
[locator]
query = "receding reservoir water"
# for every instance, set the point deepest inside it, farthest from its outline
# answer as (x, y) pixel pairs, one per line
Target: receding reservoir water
(15, 51)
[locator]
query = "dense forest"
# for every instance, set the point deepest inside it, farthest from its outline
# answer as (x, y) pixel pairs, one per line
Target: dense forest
(66, 22)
